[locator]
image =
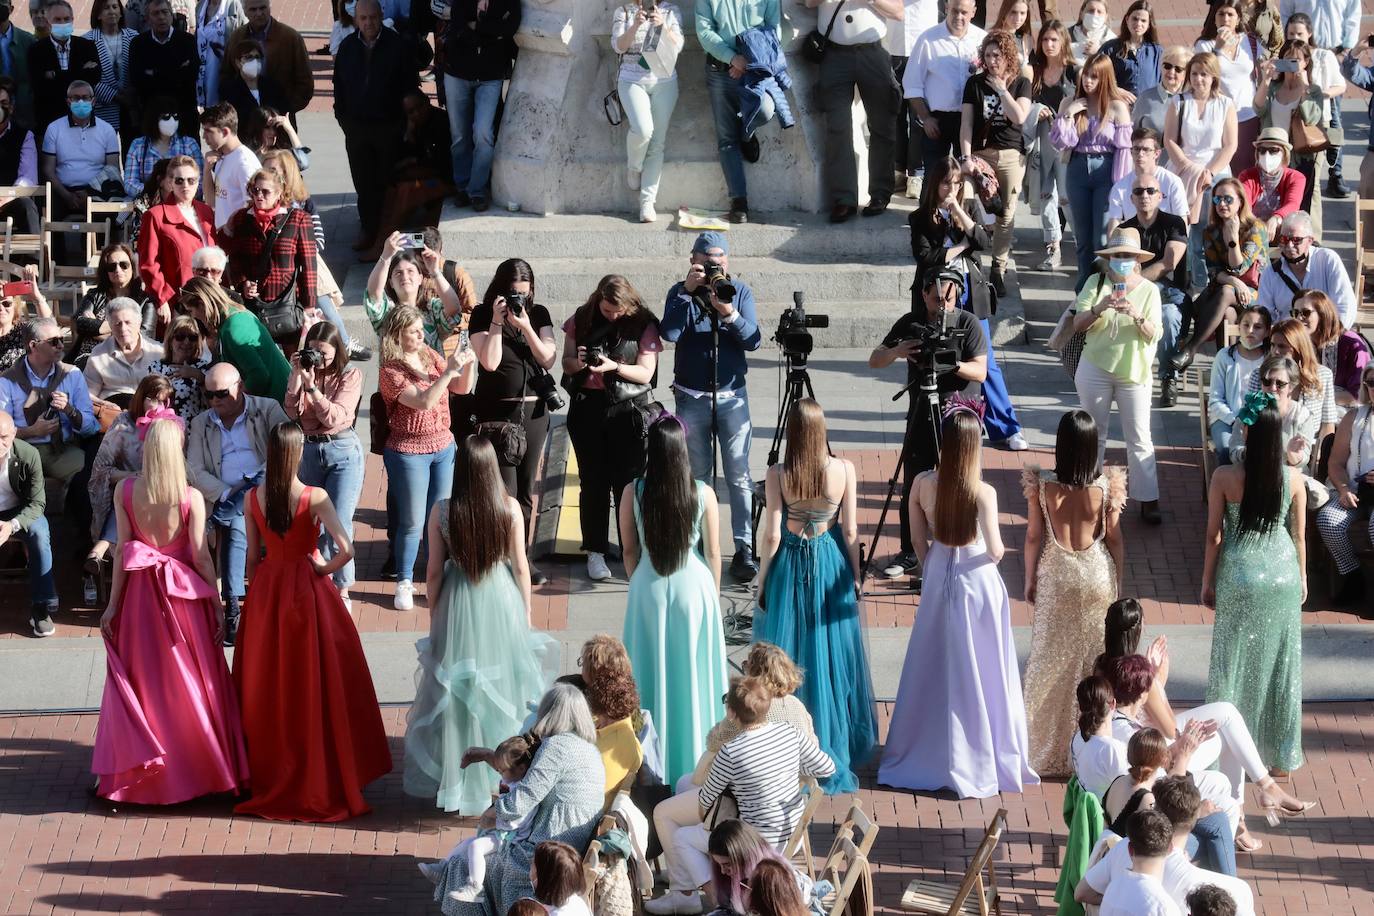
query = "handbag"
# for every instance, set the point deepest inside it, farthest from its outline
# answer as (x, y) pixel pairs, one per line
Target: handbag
(1306, 138)
(1067, 341)
(508, 436)
(378, 425)
(283, 316)
(814, 44)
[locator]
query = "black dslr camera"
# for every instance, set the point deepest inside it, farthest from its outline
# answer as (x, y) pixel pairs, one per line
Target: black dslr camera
(546, 389)
(310, 358)
(595, 354)
(516, 303)
(792, 336)
(718, 281)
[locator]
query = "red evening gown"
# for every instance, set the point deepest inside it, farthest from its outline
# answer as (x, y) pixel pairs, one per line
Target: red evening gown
(169, 721)
(310, 713)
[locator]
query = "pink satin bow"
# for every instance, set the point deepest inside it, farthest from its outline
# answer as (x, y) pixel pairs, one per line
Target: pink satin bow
(178, 579)
(145, 422)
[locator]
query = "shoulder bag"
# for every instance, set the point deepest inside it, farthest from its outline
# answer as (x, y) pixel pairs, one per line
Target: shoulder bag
(283, 316)
(814, 44)
(508, 436)
(378, 425)
(1307, 139)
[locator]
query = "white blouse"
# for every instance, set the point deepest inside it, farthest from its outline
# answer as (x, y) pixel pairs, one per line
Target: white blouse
(1097, 761)
(1237, 76)
(1201, 137)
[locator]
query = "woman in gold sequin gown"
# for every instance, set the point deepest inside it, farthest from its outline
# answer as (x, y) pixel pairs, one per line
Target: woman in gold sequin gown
(1069, 587)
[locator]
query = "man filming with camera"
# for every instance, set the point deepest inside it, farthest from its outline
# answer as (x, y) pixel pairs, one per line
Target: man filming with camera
(710, 317)
(941, 341)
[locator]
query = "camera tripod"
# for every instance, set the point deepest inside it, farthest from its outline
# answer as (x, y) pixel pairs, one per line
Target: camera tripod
(926, 401)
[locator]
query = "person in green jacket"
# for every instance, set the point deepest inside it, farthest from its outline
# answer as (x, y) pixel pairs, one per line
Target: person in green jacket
(237, 337)
(21, 515)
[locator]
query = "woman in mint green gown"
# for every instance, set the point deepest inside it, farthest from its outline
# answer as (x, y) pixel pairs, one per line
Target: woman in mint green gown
(1255, 575)
(671, 530)
(482, 666)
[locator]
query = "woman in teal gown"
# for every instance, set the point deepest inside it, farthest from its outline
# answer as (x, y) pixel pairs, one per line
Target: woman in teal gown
(809, 606)
(671, 527)
(1255, 575)
(482, 667)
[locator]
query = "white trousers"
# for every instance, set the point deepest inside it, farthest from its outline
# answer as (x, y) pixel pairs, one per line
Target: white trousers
(1231, 748)
(1096, 391)
(684, 839)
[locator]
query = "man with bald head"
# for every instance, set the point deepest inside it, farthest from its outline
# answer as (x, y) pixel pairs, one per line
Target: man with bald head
(373, 71)
(226, 453)
(22, 500)
(49, 403)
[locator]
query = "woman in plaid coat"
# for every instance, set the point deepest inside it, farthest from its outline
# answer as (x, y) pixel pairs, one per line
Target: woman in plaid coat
(254, 269)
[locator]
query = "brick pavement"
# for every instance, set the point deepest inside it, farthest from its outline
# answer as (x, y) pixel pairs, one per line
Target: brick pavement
(62, 851)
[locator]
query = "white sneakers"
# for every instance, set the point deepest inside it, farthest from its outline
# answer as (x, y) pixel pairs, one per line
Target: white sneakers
(632, 178)
(1016, 443)
(646, 212)
(674, 902)
(468, 893)
(597, 570)
(405, 596)
(913, 187)
(1051, 261)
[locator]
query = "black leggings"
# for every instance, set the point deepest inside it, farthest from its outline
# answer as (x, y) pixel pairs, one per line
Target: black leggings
(520, 479)
(610, 454)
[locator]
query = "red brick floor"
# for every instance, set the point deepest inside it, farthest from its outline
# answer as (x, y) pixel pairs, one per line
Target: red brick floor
(63, 852)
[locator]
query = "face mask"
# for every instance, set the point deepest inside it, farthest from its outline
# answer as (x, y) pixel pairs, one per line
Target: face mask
(1093, 21)
(349, 8)
(4, 13)
(62, 30)
(252, 69)
(1298, 261)
(1122, 267)
(1269, 162)
(81, 109)
(168, 126)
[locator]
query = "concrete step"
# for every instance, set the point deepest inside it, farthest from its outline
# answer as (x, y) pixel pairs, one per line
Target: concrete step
(790, 237)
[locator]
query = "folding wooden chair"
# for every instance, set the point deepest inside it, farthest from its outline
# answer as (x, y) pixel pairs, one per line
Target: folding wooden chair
(797, 850)
(114, 214)
(26, 244)
(856, 827)
(1209, 449)
(972, 896)
(847, 869)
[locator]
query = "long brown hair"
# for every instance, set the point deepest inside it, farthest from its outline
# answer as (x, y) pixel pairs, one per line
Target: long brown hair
(803, 470)
(956, 498)
(284, 444)
(1100, 66)
(1328, 321)
(1244, 214)
(149, 391)
(479, 521)
(618, 291)
(773, 891)
(1005, 11)
(1294, 333)
(668, 503)
(1039, 62)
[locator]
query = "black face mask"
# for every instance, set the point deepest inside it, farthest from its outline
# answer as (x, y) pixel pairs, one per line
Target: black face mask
(4, 13)
(1300, 260)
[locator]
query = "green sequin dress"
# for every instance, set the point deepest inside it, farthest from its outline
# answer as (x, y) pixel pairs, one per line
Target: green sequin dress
(1257, 636)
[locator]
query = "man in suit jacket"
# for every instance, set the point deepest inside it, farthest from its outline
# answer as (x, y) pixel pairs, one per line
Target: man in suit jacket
(163, 61)
(287, 62)
(15, 45)
(226, 455)
(56, 62)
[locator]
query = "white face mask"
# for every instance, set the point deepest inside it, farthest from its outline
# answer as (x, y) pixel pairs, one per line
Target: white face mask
(252, 69)
(350, 8)
(1269, 162)
(1092, 22)
(168, 126)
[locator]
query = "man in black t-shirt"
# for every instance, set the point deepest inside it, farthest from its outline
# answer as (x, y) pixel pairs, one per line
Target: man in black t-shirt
(941, 295)
(1167, 236)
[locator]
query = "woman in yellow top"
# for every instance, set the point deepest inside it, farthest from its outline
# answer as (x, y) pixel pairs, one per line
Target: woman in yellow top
(1119, 310)
(609, 685)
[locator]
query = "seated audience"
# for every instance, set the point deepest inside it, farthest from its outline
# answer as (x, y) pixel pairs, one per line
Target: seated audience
(736, 852)
(1140, 890)
(171, 233)
(18, 161)
(1210, 900)
(22, 502)
(165, 136)
(1312, 386)
(226, 453)
(1303, 264)
(1146, 172)
(1273, 187)
(773, 891)
(609, 685)
(1351, 470)
(1343, 352)
(236, 336)
(125, 358)
(557, 875)
(1231, 373)
(15, 319)
(75, 151)
(49, 402)
(1165, 234)
(183, 363)
(115, 278)
(1097, 755)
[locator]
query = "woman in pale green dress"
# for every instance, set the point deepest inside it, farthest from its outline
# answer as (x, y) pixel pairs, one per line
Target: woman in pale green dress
(673, 633)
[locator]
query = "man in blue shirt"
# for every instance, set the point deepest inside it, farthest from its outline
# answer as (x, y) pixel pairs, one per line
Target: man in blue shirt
(719, 23)
(688, 315)
(49, 402)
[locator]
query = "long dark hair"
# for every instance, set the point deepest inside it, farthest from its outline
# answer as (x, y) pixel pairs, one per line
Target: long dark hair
(1075, 449)
(1209, 25)
(326, 332)
(284, 444)
(511, 270)
(618, 291)
(102, 273)
(408, 256)
(1094, 701)
(1151, 37)
(1261, 504)
(479, 521)
(669, 503)
(924, 217)
(1038, 61)
(1124, 619)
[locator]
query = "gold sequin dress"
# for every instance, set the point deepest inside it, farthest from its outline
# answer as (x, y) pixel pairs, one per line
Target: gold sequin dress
(1072, 591)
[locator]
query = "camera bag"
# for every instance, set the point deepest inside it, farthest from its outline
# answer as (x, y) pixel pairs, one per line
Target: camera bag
(814, 44)
(508, 436)
(283, 315)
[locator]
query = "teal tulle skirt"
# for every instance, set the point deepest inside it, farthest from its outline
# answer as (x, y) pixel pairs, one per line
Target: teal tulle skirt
(480, 669)
(811, 612)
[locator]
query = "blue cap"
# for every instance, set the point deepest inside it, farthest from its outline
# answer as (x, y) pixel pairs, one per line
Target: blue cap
(708, 240)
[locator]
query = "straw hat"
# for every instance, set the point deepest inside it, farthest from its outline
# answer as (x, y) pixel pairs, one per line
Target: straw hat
(1125, 243)
(1274, 136)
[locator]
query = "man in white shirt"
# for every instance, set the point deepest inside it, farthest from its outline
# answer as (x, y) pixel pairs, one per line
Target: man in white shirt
(917, 16)
(1177, 799)
(229, 165)
(75, 149)
(856, 59)
(1303, 264)
(1145, 172)
(940, 64)
(1140, 890)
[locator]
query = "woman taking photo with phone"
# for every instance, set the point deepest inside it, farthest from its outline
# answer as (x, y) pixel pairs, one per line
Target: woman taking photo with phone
(648, 96)
(1238, 54)
(409, 273)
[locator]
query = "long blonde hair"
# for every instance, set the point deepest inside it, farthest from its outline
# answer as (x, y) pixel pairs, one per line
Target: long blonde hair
(397, 321)
(960, 469)
(164, 464)
(803, 469)
(283, 162)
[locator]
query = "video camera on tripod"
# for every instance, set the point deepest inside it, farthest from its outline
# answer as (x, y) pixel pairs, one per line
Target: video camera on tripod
(939, 352)
(792, 335)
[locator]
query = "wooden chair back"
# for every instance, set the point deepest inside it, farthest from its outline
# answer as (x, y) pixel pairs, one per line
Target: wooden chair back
(973, 894)
(797, 849)
(1209, 449)
(26, 244)
(848, 871)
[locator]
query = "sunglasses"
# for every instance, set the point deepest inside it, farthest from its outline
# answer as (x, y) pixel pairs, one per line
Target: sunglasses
(1174, 68)
(118, 265)
(1226, 199)
(168, 116)
(186, 337)
(185, 180)
(1145, 192)
(1294, 239)
(1277, 384)
(262, 192)
(1303, 313)
(218, 394)
(53, 341)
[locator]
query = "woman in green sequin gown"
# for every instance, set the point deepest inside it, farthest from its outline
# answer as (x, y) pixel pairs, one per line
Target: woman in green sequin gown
(1255, 575)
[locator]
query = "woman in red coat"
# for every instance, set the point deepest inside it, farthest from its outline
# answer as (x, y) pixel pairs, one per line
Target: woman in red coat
(171, 232)
(267, 272)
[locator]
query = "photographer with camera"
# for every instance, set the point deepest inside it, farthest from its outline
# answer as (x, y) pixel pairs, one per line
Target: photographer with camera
(322, 396)
(513, 339)
(710, 315)
(610, 357)
(945, 343)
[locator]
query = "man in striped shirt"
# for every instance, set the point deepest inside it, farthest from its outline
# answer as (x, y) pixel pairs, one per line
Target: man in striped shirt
(761, 768)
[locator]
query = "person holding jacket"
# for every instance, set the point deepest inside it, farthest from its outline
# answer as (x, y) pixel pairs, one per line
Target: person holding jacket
(479, 52)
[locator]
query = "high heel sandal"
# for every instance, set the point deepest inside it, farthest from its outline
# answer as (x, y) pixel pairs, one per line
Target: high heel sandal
(1247, 841)
(1278, 803)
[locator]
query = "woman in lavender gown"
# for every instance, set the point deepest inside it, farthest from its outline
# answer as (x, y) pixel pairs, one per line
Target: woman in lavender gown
(959, 722)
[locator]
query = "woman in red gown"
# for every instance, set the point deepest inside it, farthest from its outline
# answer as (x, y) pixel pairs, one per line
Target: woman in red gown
(310, 714)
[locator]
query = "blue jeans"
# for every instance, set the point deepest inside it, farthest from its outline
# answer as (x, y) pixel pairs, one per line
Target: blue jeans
(725, 108)
(227, 517)
(1090, 179)
(331, 314)
(735, 435)
(1333, 155)
(1170, 300)
(472, 108)
(39, 543)
(1221, 438)
(418, 482)
(337, 466)
(1215, 844)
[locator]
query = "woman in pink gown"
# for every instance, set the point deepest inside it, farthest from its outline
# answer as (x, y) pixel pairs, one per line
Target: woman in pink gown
(169, 720)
